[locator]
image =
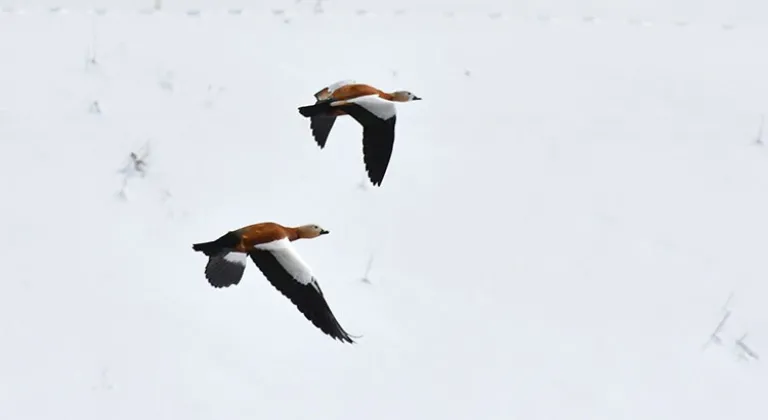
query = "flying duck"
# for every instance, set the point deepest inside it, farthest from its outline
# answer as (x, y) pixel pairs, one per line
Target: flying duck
(269, 246)
(371, 108)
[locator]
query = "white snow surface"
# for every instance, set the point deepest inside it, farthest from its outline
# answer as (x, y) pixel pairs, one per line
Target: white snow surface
(565, 214)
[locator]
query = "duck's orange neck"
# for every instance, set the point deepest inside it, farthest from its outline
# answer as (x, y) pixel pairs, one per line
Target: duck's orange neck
(293, 233)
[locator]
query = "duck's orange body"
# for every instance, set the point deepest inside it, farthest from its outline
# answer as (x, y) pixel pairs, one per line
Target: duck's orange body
(350, 91)
(261, 233)
(357, 90)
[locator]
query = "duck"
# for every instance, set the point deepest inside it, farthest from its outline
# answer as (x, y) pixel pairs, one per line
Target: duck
(371, 107)
(270, 246)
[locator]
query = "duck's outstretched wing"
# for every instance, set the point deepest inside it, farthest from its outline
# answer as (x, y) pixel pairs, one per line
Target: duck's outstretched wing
(291, 276)
(378, 118)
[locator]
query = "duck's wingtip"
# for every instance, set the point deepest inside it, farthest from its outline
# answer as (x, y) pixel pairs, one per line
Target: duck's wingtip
(349, 338)
(376, 182)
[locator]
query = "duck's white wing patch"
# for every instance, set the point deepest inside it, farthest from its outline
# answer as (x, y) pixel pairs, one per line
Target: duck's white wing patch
(236, 258)
(377, 106)
(332, 87)
(327, 91)
(291, 261)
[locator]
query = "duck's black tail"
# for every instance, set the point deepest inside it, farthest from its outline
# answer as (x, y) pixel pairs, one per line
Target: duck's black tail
(321, 107)
(226, 241)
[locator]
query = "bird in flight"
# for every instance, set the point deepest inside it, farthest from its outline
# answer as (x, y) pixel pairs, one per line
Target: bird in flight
(372, 108)
(269, 246)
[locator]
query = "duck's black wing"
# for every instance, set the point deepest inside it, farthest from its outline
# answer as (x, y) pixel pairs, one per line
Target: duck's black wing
(288, 274)
(378, 139)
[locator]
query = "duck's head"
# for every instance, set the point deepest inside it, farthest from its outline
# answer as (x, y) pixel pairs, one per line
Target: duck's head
(405, 96)
(311, 231)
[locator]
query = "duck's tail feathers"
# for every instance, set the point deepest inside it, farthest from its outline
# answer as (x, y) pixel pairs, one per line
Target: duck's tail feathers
(319, 108)
(225, 242)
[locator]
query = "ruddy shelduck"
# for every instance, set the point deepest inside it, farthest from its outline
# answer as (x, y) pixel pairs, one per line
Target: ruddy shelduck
(269, 246)
(371, 108)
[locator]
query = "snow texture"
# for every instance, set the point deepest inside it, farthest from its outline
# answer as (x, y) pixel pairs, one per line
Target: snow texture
(565, 214)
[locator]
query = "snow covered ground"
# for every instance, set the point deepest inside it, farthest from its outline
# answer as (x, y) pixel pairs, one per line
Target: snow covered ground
(564, 217)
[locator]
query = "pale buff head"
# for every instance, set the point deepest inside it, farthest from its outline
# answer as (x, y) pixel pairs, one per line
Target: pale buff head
(404, 96)
(310, 231)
